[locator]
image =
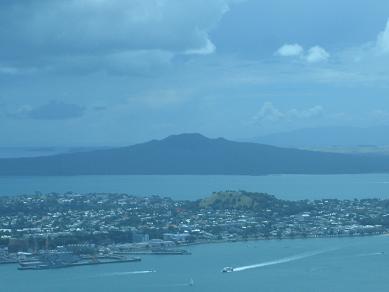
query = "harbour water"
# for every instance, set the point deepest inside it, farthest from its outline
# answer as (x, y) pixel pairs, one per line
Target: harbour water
(195, 187)
(310, 265)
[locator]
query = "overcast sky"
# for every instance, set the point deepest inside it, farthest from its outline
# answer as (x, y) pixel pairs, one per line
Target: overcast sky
(117, 72)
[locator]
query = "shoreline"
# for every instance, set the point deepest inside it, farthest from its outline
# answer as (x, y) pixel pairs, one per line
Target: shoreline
(277, 239)
(203, 243)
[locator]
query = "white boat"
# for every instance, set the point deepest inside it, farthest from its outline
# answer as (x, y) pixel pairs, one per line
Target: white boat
(227, 270)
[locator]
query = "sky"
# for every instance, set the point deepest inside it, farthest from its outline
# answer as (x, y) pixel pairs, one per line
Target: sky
(119, 72)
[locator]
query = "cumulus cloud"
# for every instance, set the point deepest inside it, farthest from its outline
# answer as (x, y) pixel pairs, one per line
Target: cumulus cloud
(383, 40)
(289, 50)
(314, 54)
(373, 52)
(54, 110)
(317, 54)
(209, 48)
(269, 113)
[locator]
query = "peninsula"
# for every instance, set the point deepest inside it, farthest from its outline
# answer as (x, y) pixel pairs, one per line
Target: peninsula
(112, 225)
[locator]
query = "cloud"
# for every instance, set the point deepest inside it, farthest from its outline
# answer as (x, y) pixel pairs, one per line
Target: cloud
(209, 48)
(54, 110)
(309, 113)
(315, 54)
(9, 70)
(289, 50)
(48, 32)
(383, 40)
(268, 113)
(370, 51)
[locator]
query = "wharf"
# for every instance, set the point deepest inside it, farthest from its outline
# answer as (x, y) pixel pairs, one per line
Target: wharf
(45, 266)
(157, 252)
(7, 262)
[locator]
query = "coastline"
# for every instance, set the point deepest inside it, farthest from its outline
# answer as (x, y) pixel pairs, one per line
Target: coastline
(253, 239)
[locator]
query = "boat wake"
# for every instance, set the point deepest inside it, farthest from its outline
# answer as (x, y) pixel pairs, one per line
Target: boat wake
(280, 261)
(128, 273)
(371, 254)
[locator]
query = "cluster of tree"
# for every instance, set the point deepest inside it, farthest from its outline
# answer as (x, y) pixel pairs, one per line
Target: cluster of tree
(256, 202)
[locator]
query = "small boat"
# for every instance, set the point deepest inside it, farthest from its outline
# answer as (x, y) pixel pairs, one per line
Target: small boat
(191, 282)
(227, 270)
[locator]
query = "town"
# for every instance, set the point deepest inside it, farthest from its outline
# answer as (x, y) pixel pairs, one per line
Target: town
(106, 225)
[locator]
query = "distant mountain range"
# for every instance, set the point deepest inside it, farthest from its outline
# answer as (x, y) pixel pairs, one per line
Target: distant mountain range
(197, 155)
(328, 137)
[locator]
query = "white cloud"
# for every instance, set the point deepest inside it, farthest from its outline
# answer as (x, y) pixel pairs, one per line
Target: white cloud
(268, 113)
(383, 40)
(208, 49)
(289, 50)
(315, 54)
(372, 51)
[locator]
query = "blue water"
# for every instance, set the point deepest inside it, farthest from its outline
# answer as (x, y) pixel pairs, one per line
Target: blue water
(193, 187)
(311, 265)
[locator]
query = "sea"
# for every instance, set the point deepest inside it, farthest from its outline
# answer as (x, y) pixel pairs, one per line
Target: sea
(192, 187)
(298, 265)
